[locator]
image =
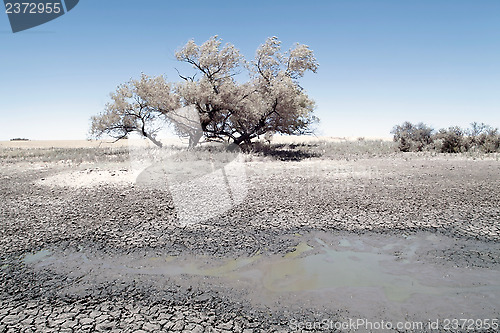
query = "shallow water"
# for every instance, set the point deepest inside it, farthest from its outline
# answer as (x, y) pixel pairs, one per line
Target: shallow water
(352, 263)
(354, 271)
(340, 268)
(36, 257)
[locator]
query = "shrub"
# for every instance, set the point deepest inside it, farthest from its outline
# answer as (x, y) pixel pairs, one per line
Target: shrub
(450, 140)
(412, 137)
(479, 137)
(483, 137)
(490, 141)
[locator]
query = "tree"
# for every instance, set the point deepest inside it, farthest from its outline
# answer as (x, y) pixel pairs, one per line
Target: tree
(271, 101)
(138, 106)
(476, 129)
(224, 108)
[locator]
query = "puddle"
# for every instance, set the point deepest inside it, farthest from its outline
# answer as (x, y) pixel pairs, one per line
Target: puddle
(333, 268)
(298, 250)
(36, 257)
(173, 266)
(354, 271)
(344, 242)
(345, 268)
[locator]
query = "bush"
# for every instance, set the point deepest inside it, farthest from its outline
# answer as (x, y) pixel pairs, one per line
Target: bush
(484, 138)
(450, 140)
(490, 141)
(412, 137)
(479, 137)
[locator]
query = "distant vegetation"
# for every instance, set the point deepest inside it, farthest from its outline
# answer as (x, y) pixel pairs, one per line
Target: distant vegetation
(420, 137)
(19, 139)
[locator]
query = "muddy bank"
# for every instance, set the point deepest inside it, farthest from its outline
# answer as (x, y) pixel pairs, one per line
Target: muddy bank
(402, 270)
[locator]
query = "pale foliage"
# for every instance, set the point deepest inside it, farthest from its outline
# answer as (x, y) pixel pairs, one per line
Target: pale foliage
(136, 106)
(271, 101)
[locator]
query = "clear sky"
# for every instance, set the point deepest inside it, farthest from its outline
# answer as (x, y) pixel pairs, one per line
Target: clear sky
(381, 62)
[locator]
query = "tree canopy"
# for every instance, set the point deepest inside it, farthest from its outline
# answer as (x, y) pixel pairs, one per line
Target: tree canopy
(213, 103)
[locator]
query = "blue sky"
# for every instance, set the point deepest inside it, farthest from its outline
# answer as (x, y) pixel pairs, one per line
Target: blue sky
(381, 62)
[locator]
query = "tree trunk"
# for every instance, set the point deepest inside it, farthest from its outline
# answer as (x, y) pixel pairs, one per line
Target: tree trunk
(149, 136)
(194, 138)
(243, 138)
(153, 140)
(246, 140)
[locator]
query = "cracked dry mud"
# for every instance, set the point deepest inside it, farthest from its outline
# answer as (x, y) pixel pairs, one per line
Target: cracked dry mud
(392, 238)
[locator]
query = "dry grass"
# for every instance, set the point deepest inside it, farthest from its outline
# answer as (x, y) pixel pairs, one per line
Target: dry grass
(326, 149)
(282, 148)
(74, 155)
(48, 144)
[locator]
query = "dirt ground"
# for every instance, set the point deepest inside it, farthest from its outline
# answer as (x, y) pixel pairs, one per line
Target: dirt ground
(105, 242)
